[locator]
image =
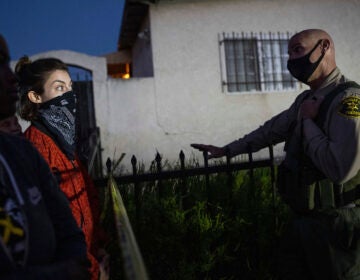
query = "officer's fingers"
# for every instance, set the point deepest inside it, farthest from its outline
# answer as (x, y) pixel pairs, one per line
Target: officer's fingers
(196, 146)
(200, 147)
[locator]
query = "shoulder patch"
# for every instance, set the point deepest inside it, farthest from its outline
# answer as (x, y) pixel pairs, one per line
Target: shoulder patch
(350, 107)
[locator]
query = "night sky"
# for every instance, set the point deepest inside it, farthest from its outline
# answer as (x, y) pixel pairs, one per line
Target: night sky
(87, 26)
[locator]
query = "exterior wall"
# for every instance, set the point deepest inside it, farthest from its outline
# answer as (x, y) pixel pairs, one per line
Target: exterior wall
(183, 103)
(191, 105)
(131, 121)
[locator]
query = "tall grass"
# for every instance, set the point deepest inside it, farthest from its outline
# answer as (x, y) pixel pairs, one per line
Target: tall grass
(194, 232)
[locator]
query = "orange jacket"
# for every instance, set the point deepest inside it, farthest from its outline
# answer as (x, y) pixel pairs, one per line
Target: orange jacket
(78, 188)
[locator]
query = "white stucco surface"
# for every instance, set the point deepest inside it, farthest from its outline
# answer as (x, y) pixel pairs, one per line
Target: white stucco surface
(184, 103)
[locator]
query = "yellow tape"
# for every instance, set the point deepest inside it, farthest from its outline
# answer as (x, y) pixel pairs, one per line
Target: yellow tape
(133, 262)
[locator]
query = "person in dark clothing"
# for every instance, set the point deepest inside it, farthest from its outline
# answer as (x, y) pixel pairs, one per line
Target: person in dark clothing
(39, 237)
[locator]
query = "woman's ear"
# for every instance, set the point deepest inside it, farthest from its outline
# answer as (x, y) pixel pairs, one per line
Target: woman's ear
(34, 97)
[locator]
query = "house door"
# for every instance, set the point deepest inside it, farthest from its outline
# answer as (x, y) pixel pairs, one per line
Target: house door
(88, 134)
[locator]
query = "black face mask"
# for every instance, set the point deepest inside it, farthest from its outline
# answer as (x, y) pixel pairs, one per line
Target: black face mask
(302, 68)
(58, 116)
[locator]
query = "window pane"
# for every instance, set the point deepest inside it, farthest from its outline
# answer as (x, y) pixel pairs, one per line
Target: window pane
(251, 66)
(241, 65)
(267, 64)
(231, 67)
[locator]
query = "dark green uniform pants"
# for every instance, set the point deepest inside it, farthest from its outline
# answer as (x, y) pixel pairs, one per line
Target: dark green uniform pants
(322, 245)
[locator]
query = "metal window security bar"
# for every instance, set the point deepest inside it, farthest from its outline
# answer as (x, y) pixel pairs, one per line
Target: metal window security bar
(255, 62)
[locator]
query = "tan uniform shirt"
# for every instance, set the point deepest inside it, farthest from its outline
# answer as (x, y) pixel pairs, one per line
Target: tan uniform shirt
(334, 149)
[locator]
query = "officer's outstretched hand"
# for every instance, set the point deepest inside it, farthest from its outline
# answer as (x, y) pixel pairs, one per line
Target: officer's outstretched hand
(215, 152)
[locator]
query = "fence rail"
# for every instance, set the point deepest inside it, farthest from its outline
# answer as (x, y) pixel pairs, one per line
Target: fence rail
(184, 172)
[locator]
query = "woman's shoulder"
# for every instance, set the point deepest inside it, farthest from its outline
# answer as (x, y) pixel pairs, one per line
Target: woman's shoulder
(44, 143)
(35, 135)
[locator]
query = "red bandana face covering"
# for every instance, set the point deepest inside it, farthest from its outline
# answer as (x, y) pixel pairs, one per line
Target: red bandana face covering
(58, 116)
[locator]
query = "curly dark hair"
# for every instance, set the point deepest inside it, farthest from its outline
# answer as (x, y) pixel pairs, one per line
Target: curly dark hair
(32, 77)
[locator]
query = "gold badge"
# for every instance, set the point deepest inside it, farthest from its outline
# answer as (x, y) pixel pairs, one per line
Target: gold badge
(350, 107)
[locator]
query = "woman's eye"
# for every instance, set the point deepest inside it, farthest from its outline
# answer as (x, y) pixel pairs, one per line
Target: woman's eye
(60, 88)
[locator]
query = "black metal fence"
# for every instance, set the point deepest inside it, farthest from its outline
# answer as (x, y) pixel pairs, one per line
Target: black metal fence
(144, 192)
(159, 175)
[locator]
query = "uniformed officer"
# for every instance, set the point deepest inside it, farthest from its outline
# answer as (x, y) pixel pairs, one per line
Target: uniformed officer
(319, 177)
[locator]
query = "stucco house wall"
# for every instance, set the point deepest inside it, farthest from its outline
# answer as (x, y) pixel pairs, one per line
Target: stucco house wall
(190, 104)
(184, 102)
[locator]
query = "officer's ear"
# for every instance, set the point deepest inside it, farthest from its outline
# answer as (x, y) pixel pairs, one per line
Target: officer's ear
(325, 45)
(34, 97)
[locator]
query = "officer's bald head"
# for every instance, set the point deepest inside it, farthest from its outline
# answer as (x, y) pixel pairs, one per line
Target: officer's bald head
(313, 36)
(318, 43)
